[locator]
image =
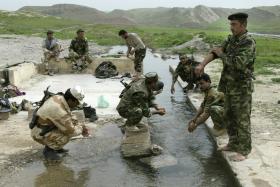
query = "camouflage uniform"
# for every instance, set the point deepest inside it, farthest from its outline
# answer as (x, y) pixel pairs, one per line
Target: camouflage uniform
(213, 105)
(236, 83)
(79, 48)
(133, 40)
(136, 102)
(56, 112)
(186, 72)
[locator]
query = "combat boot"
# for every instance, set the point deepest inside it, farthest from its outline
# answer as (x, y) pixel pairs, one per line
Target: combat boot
(51, 154)
(62, 151)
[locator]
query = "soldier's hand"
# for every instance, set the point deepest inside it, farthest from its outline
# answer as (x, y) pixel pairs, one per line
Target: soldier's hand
(161, 111)
(85, 132)
(172, 89)
(192, 126)
(199, 69)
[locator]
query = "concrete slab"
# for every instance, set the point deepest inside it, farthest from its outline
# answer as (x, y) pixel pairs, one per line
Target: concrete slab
(93, 88)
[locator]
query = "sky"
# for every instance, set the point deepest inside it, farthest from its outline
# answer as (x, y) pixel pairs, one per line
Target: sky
(108, 5)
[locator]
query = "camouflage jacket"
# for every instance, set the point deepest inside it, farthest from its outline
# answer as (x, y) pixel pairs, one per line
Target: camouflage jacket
(238, 65)
(55, 111)
(212, 98)
(138, 95)
(133, 40)
(186, 72)
(79, 46)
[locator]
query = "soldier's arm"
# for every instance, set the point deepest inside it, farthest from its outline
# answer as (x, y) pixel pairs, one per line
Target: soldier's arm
(71, 48)
(86, 48)
(68, 125)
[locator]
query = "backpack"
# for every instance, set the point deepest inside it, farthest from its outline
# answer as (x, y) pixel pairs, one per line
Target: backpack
(106, 70)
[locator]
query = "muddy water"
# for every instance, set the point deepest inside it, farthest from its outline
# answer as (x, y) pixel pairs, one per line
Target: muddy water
(97, 161)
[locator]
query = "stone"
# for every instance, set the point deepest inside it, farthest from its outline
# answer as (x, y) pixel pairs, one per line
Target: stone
(156, 162)
(136, 143)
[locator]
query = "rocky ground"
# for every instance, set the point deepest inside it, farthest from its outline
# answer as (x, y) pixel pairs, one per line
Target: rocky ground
(16, 49)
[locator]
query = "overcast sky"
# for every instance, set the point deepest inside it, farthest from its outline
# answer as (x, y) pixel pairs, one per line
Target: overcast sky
(107, 5)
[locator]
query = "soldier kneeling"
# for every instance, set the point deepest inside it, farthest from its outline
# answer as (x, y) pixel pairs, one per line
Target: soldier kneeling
(54, 124)
(137, 100)
(212, 105)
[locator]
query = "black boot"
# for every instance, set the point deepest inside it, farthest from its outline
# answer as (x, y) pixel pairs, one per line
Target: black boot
(51, 154)
(62, 151)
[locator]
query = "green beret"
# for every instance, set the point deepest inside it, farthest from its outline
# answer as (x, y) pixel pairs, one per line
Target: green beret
(238, 16)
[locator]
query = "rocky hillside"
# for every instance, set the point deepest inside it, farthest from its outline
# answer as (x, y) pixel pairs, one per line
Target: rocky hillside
(197, 17)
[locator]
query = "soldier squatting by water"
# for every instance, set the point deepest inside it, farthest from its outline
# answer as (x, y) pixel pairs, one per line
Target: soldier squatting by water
(229, 106)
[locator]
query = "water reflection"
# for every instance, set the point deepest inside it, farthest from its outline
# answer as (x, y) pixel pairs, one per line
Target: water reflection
(60, 175)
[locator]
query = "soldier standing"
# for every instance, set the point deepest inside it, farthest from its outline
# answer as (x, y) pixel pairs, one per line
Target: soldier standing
(185, 70)
(137, 48)
(238, 54)
(212, 106)
(137, 100)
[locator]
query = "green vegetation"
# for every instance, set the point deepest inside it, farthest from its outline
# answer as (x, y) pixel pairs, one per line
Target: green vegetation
(268, 49)
(276, 80)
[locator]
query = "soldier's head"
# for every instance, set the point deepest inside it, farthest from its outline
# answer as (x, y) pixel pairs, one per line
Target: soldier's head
(151, 80)
(80, 33)
(74, 96)
(183, 58)
(49, 34)
(123, 34)
(238, 23)
(204, 82)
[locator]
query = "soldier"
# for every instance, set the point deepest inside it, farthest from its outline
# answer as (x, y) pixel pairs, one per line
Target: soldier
(51, 49)
(79, 48)
(137, 100)
(238, 54)
(212, 105)
(137, 48)
(55, 125)
(185, 70)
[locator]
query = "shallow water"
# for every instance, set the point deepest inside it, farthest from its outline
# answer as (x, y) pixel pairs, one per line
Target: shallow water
(98, 162)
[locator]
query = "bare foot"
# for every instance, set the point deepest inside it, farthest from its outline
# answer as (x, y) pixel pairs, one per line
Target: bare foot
(238, 157)
(224, 148)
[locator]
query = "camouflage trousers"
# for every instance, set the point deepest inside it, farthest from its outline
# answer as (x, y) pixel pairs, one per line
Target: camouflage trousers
(133, 114)
(73, 56)
(54, 139)
(217, 116)
(138, 61)
(237, 117)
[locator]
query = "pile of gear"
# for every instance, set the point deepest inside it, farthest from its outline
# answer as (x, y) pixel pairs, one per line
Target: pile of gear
(106, 70)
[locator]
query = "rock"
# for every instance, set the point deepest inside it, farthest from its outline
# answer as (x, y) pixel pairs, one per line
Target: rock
(157, 55)
(160, 161)
(136, 143)
(278, 102)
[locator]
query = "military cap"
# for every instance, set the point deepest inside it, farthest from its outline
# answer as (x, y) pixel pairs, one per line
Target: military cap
(151, 76)
(49, 32)
(80, 30)
(238, 16)
(181, 56)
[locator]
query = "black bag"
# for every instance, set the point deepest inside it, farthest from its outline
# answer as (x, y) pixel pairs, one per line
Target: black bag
(106, 70)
